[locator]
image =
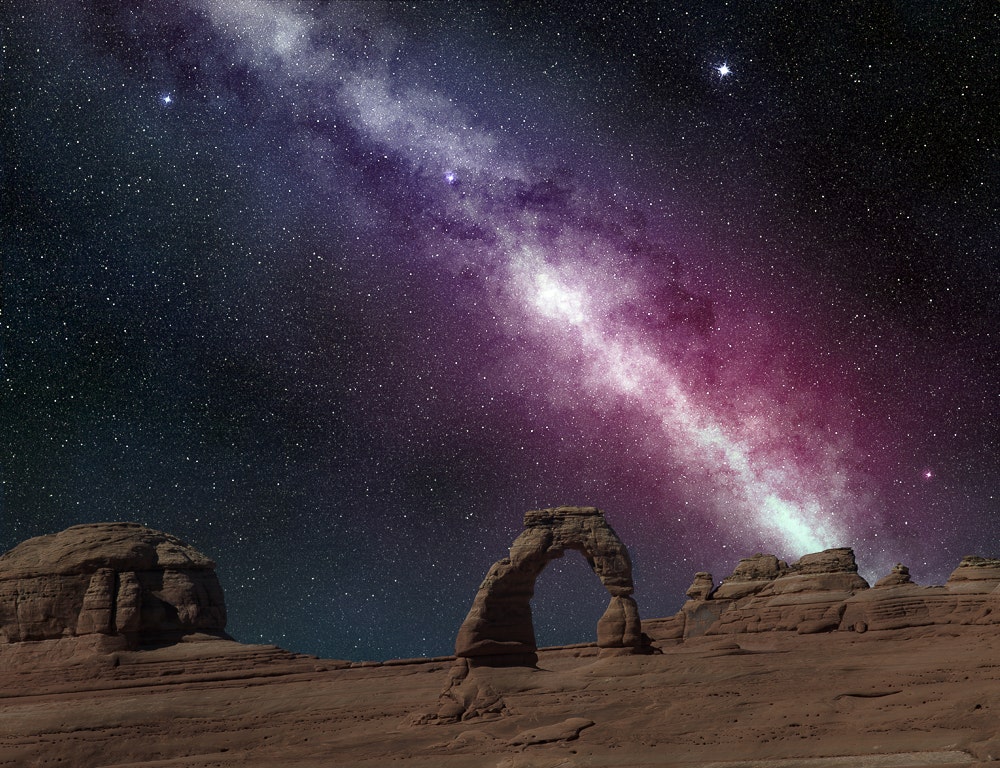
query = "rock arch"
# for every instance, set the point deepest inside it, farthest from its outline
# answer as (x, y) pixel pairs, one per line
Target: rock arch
(498, 630)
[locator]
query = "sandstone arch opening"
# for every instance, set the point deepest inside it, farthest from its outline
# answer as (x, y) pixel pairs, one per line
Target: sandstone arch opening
(568, 602)
(499, 630)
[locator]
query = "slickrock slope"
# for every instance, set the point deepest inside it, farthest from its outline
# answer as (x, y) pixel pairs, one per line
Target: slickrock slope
(927, 696)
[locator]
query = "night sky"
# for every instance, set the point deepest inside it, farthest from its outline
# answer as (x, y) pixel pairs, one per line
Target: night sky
(336, 292)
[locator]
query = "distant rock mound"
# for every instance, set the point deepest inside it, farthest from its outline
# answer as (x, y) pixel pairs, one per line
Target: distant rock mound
(974, 575)
(498, 629)
(897, 577)
(113, 579)
(823, 592)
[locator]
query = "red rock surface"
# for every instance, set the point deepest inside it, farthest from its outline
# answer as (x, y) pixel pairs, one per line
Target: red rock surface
(915, 697)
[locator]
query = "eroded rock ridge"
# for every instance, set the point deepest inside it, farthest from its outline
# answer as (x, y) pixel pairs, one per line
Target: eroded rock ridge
(823, 592)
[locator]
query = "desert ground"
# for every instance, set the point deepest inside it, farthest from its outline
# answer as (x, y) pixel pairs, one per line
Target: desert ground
(920, 696)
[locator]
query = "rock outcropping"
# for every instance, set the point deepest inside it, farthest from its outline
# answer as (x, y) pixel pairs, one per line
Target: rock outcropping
(118, 580)
(823, 592)
(498, 630)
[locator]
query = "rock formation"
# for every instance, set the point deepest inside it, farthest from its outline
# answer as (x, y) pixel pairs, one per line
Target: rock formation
(764, 593)
(823, 592)
(498, 630)
(701, 587)
(898, 576)
(119, 580)
(750, 576)
(970, 596)
(974, 575)
(467, 694)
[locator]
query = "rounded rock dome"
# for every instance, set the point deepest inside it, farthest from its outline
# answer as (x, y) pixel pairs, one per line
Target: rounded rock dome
(120, 579)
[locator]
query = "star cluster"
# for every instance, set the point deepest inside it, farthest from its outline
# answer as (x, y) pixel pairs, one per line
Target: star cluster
(337, 292)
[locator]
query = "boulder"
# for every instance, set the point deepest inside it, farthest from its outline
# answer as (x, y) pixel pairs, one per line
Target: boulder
(112, 579)
(832, 570)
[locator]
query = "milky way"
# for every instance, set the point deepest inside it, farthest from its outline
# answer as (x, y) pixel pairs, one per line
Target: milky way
(334, 297)
(572, 289)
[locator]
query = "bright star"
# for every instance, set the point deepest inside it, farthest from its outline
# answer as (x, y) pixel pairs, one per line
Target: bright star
(167, 99)
(723, 70)
(450, 177)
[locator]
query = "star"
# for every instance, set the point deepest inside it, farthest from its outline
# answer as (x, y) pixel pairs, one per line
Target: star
(928, 474)
(450, 177)
(723, 70)
(166, 99)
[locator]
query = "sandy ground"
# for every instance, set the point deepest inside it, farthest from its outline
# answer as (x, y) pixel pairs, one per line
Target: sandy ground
(918, 697)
